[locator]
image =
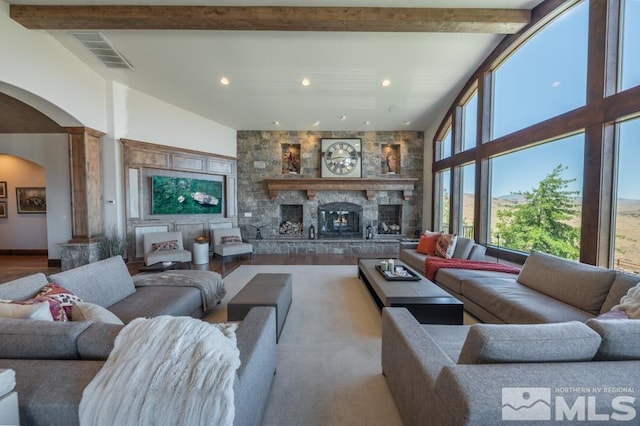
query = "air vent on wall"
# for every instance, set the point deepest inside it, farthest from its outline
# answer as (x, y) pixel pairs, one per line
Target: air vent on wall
(100, 46)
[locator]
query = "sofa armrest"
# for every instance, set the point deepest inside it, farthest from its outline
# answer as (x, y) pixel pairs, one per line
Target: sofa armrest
(475, 394)
(96, 341)
(256, 338)
(411, 363)
(33, 339)
(408, 245)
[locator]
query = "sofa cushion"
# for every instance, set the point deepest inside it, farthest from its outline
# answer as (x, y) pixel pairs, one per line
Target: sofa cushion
(621, 285)
(83, 311)
(103, 283)
(159, 300)
(514, 303)
(96, 341)
(463, 248)
(509, 343)
(451, 278)
(36, 311)
(23, 288)
(446, 245)
(578, 284)
(620, 339)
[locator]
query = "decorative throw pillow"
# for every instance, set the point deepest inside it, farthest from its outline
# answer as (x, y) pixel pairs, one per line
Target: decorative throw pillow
(427, 243)
(56, 311)
(85, 311)
(230, 239)
(165, 245)
(446, 245)
(35, 311)
(64, 297)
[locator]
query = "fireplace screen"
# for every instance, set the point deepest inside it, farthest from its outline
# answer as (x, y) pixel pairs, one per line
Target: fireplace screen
(339, 220)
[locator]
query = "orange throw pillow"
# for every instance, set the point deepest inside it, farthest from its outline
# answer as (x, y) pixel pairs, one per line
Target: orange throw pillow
(427, 244)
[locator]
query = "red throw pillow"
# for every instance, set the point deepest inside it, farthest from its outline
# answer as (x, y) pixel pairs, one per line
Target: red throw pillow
(427, 244)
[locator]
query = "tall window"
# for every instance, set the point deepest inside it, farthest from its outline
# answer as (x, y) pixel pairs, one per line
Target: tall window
(627, 229)
(468, 200)
(445, 146)
(470, 117)
(443, 182)
(630, 45)
(535, 198)
(545, 77)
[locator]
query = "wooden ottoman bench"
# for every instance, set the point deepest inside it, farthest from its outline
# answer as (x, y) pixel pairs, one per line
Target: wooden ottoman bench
(263, 290)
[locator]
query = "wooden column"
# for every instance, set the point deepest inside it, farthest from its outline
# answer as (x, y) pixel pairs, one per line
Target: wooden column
(85, 156)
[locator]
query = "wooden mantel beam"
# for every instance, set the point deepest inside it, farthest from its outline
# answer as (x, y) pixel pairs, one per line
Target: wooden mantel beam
(270, 18)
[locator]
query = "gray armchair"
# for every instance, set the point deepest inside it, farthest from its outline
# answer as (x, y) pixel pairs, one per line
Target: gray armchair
(228, 242)
(164, 247)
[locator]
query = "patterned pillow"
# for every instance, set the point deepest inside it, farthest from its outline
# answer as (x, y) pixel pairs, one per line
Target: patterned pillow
(165, 245)
(64, 297)
(446, 245)
(230, 239)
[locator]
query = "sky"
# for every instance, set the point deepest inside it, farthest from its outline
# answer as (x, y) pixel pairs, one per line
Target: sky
(526, 94)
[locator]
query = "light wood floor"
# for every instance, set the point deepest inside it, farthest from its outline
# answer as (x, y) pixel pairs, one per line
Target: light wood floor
(12, 267)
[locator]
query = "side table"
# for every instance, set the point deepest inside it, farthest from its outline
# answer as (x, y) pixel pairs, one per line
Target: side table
(200, 253)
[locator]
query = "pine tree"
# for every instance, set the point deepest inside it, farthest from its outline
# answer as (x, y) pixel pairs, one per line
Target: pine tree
(541, 221)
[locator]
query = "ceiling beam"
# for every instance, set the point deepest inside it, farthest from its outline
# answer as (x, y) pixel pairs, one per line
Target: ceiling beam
(267, 18)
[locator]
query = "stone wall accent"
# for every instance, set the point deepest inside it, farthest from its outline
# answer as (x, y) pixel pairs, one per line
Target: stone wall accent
(260, 157)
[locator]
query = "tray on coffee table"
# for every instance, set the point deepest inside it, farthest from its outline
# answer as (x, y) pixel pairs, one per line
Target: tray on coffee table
(392, 276)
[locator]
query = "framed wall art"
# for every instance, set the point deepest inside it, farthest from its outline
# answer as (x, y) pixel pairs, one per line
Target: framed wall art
(3, 209)
(31, 200)
(3, 189)
(182, 195)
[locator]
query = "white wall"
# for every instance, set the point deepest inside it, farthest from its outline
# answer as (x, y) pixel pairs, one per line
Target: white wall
(51, 152)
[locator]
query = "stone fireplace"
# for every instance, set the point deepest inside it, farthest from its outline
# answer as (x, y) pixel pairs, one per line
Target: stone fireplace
(390, 219)
(339, 220)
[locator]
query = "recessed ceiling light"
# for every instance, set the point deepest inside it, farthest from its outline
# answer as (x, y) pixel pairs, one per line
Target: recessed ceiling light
(407, 122)
(224, 81)
(316, 123)
(366, 123)
(386, 82)
(343, 117)
(276, 123)
(305, 82)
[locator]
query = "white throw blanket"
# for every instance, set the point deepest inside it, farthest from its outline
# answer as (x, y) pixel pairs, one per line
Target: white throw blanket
(630, 303)
(165, 371)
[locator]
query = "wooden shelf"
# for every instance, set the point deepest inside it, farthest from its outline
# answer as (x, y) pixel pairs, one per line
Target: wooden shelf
(313, 185)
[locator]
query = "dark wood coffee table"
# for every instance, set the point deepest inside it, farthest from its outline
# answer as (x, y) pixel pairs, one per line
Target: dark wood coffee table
(427, 302)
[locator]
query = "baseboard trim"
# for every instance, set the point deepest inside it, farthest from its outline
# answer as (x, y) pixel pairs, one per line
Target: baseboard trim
(15, 252)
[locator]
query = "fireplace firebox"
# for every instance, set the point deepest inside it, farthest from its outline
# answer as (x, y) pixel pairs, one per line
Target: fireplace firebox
(339, 220)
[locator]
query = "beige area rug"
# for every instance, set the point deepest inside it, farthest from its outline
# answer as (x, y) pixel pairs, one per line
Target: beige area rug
(328, 370)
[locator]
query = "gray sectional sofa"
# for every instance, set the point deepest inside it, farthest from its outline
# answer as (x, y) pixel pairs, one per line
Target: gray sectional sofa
(466, 248)
(545, 336)
(54, 361)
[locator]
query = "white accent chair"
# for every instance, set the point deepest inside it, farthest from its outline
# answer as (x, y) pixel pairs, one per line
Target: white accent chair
(230, 248)
(152, 256)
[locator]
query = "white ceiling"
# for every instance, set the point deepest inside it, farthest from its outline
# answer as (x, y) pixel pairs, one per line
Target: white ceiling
(265, 68)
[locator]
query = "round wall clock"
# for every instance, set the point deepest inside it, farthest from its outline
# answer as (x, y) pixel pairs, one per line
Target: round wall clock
(341, 158)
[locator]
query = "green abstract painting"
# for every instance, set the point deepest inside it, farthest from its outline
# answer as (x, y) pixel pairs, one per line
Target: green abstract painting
(178, 195)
